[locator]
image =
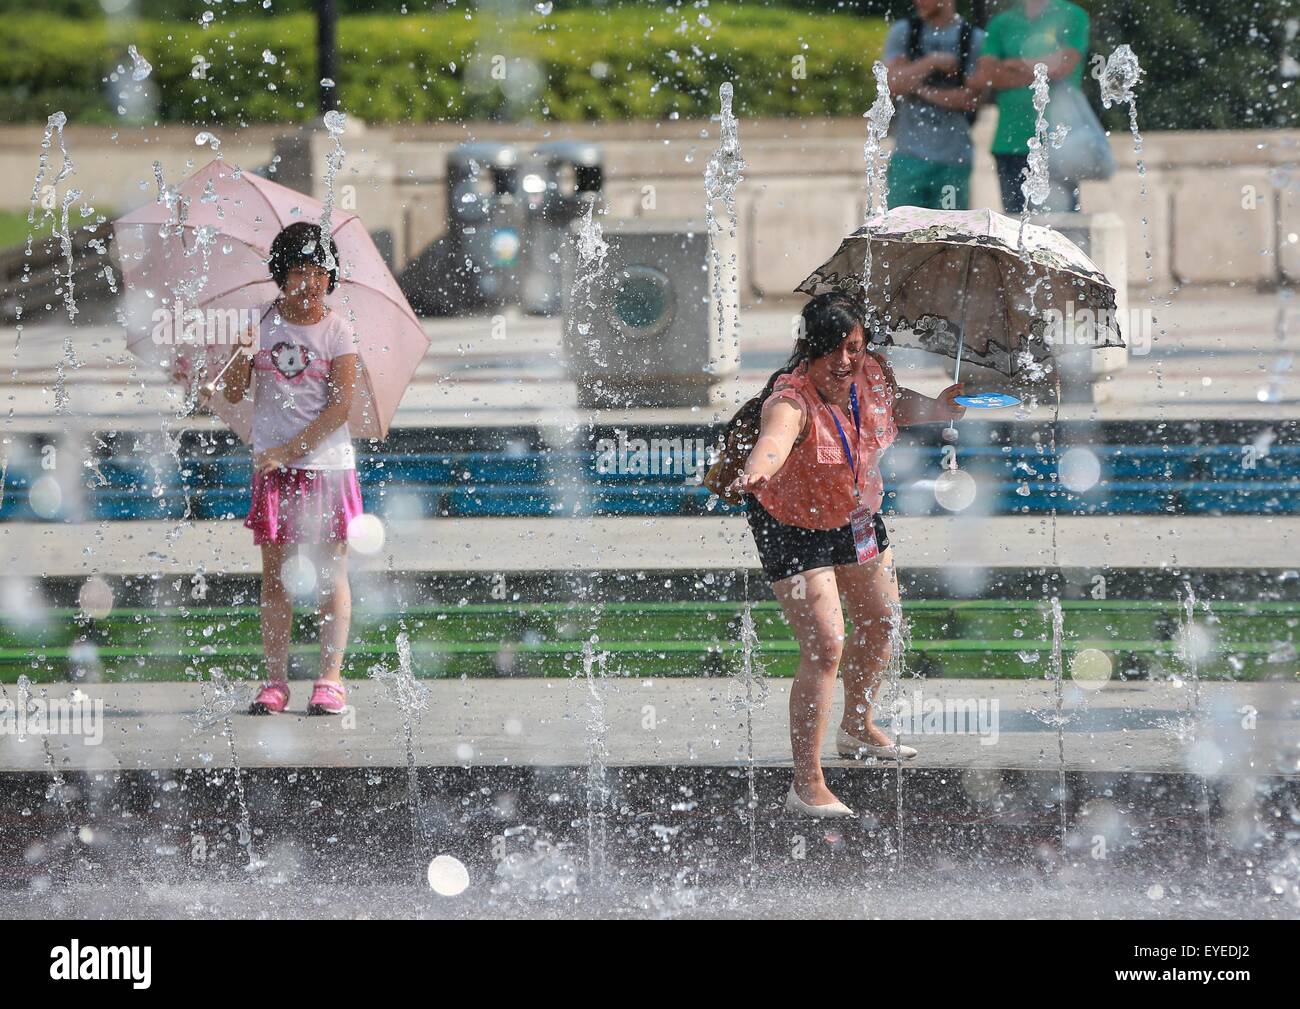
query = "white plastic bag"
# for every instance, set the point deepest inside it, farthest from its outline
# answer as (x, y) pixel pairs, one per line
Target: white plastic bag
(1085, 152)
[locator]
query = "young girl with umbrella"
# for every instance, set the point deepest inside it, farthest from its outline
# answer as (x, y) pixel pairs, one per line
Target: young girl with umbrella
(303, 368)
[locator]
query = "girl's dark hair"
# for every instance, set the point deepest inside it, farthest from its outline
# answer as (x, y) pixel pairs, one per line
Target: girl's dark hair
(299, 244)
(825, 323)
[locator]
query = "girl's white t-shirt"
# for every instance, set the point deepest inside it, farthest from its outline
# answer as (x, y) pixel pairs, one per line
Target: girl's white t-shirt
(291, 388)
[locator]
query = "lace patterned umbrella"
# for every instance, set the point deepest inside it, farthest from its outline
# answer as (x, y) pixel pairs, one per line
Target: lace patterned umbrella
(973, 285)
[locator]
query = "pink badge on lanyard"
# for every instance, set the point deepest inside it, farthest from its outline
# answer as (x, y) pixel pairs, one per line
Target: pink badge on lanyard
(861, 519)
(862, 522)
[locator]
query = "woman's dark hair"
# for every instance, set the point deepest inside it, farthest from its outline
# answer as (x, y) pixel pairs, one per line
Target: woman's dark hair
(300, 244)
(825, 323)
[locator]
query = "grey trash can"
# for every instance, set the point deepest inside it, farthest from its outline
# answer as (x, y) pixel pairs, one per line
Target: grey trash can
(558, 183)
(484, 219)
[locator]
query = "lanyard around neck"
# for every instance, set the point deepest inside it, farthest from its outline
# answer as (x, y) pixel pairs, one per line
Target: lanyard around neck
(844, 438)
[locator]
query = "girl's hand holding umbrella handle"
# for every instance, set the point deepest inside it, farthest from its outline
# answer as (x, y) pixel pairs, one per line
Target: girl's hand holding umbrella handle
(240, 369)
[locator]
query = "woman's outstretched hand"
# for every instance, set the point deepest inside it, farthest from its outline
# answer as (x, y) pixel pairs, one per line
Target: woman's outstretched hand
(747, 483)
(946, 406)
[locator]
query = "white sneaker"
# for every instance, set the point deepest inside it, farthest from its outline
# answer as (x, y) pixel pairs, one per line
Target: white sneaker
(852, 747)
(794, 804)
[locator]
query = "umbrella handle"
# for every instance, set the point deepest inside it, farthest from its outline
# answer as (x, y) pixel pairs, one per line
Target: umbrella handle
(208, 389)
(952, 424)
(961, 333)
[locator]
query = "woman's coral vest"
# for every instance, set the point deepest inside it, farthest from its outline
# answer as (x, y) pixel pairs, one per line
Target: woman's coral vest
(814, 488)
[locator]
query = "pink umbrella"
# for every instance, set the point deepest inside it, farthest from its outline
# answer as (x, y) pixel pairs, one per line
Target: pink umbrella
(194, 268)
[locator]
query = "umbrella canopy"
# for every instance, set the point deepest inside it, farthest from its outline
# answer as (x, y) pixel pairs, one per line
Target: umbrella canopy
(200, 253)
(973, 285)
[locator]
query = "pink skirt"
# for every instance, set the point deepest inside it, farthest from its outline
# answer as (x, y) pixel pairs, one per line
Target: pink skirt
(303, 505)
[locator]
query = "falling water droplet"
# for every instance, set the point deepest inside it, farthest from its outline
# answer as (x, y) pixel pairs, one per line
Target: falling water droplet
(141, 68)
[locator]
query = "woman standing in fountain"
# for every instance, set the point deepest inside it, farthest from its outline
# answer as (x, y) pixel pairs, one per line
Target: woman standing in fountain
(813, 488)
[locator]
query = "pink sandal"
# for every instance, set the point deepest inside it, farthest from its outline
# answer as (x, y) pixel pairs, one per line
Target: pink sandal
(272, 699)
(327, 698)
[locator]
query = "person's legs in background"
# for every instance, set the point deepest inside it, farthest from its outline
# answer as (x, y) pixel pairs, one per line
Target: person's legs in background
(915, 182)
(952, 185)
(909, 182)
(1011, 173)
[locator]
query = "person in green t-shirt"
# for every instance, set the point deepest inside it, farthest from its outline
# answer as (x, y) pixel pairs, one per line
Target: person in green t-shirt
(1051, 32)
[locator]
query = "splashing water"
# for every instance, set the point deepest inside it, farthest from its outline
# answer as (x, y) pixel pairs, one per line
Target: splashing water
(1119, 81)
(1284, 877)
(204, 138)
(1057, 672)
(878, 119)
(1189, 651)
(748, 690)
(594, 670)
(141, 68)
(1037, 184)
(900, 640)
(245, 817)
(59, 785)
(218, 697)
(592, 249)
(570, 486)
(722, 177)
(411, 697)
(1119, 77)
(62, 230)
(541, 871)
(1191, 645)
(335, 122)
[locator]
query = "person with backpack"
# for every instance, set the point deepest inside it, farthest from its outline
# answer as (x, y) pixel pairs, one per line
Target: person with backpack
(1054, 33)
(930, 56)
(810, 444)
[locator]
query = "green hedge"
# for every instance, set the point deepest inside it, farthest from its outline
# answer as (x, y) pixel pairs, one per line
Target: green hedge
(1209, 63)
(398, 69)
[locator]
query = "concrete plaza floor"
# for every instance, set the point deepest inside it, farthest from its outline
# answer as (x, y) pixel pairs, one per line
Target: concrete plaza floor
(1124, 727)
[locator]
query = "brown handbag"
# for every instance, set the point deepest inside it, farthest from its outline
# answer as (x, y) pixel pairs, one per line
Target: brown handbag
(737, 442)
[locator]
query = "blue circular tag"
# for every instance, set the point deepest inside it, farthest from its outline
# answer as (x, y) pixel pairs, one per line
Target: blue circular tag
(987, 401)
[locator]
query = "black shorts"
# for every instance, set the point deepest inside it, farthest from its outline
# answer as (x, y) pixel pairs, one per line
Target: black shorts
(787, 550)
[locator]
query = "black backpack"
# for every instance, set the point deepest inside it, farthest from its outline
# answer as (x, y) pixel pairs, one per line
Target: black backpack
(939, 79)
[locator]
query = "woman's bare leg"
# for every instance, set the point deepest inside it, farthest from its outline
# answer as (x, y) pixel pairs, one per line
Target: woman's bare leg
(335, 609)
(811, 604)
(870, 599)
(277, 612)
